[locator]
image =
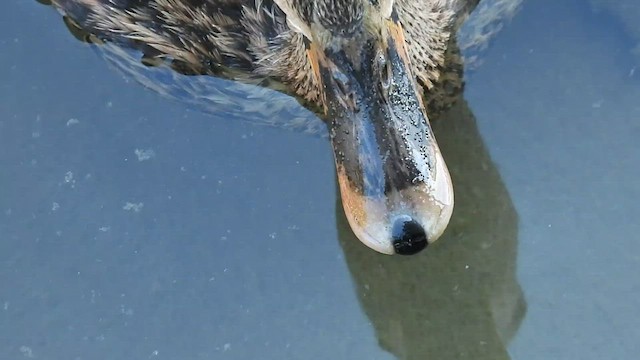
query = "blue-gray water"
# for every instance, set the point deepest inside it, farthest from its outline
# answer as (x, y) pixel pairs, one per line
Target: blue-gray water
(226, 243)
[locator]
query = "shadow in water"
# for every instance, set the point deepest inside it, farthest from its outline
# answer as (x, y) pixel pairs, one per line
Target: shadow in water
(459, 299)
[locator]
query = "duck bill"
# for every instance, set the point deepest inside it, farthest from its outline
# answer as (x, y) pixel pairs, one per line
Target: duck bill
(395, 187)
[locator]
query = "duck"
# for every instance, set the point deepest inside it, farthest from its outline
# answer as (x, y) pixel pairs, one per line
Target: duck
(365, 67)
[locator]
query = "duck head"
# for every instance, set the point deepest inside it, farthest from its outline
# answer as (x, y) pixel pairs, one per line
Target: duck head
(395, 187)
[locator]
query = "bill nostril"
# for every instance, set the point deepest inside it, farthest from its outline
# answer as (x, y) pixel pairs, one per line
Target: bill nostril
(408, 236)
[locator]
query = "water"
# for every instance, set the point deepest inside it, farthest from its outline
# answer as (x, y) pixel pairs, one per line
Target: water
(132, 227)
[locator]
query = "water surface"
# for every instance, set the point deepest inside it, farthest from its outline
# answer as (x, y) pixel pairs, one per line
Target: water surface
(133, 227)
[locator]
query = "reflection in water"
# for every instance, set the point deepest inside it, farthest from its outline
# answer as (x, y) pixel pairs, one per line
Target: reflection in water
(460, 299)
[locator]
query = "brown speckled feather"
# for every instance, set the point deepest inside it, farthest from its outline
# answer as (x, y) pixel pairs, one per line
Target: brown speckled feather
(249, 40)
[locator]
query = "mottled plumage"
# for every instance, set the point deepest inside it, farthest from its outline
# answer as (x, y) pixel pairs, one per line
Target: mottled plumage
(249, 40)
